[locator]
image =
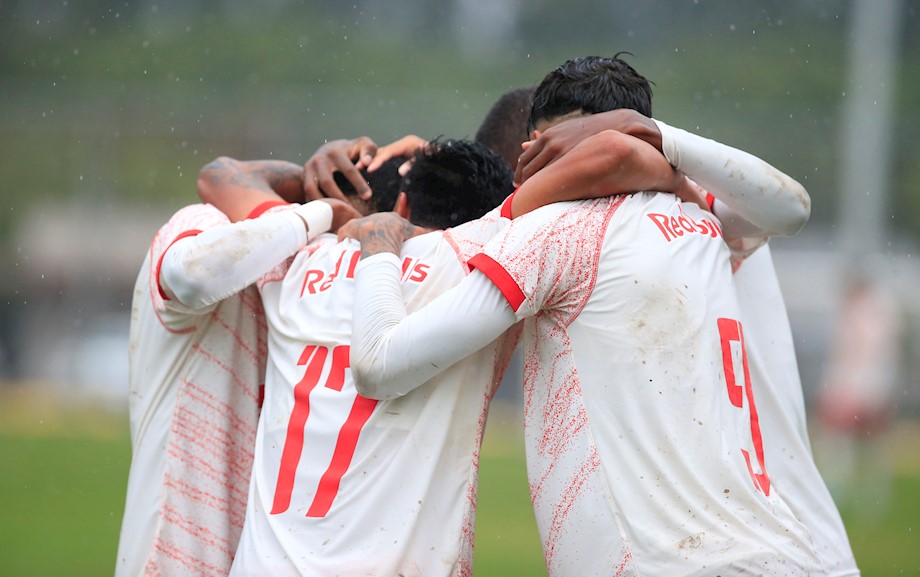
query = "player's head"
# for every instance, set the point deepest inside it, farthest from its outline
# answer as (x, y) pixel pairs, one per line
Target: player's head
(454, 181)
(505, 126)
(589, 85)
(385, 183)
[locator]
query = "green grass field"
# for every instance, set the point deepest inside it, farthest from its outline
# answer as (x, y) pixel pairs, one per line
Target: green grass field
(63, 473)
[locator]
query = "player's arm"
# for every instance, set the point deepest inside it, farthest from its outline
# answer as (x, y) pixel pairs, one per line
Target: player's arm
(753, 197)
(200, 270)
(238, 187)
(608, 162)
(554, 142)
(392, 353)
(758, 199)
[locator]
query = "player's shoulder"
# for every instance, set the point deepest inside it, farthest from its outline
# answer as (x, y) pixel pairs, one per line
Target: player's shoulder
(427, 242)
(194, 217)
(204, 213)
(569, 209)
(435, 249)
(559, 216)
(646, 199)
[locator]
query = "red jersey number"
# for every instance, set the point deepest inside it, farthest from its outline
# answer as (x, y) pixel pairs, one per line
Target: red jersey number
(734, 353)
(315, 359)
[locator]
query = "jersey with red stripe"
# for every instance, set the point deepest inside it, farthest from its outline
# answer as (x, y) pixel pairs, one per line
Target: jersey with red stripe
(469, 238)
(194, 386)
(781, 406)
(343, 484)
(644, 453)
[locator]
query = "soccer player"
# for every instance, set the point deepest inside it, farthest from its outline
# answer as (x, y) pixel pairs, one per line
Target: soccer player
(768, 337)
(194, 384)
(644, 450)
(342, 484)
(194, 389)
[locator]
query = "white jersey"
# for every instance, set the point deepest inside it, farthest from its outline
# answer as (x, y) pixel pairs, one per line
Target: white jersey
(644, 451)
(775, 373)
(344, 484)
(194, 387)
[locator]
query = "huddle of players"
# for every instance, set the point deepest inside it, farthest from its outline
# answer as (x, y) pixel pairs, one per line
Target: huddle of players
(647, 453)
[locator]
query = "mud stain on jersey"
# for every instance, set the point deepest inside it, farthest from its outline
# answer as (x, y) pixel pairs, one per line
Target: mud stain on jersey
(691, 542)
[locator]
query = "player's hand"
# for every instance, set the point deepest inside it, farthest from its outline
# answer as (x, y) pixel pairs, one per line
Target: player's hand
(345, 156)
(342, 213)
(405, 146)
(603, 164)
(380, 232)
(557, 140)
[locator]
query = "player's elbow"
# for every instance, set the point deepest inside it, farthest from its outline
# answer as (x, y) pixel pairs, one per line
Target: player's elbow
(189, 289)
(798, 211)
(368, 384)
(192, 275)
(210, 176)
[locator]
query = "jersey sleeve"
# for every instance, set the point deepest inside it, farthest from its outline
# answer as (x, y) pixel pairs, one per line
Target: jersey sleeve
(547, 259)
(393, 353)
(187, 222)
(469, 238)
(756, 191)
(201, 270)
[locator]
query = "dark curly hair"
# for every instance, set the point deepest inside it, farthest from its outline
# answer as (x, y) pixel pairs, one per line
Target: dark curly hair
(591, 84)
(454, 181)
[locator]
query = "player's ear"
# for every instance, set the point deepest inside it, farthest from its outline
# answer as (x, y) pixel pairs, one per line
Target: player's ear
(535, 134)
(401, 207)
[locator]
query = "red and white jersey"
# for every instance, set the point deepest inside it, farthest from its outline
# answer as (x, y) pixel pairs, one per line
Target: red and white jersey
(194, 387)
(644, 452)
(347, 485)
(469, 238)
(781, 406)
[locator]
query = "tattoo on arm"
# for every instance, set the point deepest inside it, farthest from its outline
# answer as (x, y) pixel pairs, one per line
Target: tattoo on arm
(268, 175)
(280, 174)
(384, 234)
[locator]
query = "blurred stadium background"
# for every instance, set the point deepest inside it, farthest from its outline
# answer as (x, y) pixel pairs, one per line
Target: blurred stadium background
(109, 108)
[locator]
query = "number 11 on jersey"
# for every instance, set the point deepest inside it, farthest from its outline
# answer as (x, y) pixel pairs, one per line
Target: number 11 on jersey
(734, 354)
(314, 358)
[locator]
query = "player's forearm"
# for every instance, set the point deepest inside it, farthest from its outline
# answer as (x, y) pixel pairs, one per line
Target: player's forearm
(604, 164)
(201, 270)
(237, 187)
(393, 353)
(756, 191)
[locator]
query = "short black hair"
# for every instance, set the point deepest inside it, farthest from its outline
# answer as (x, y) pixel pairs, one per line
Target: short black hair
(455, 181)
(505, 126)
(591, 84)
(385, 183)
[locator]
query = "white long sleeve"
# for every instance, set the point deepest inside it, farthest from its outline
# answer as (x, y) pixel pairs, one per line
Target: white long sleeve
(392, 353)
(775, 203)
(201, 270)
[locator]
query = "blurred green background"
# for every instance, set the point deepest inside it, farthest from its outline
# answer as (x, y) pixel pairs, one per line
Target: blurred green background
(114, 105)
(109, 108)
